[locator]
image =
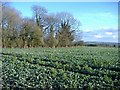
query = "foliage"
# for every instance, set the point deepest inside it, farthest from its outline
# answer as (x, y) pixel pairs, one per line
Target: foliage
(65, 36)
(58, 68)
(32, 32)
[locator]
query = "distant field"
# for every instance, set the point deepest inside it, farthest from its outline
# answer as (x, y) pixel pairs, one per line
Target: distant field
(47, 68)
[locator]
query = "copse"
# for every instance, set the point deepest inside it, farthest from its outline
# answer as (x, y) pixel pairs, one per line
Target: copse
(42, 30)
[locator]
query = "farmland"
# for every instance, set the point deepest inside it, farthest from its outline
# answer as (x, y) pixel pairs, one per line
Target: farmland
(57, 68)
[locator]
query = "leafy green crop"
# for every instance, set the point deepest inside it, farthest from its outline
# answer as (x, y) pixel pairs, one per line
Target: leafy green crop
(45, 68)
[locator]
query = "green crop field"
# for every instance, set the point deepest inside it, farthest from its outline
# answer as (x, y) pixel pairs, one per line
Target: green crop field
(86, 68)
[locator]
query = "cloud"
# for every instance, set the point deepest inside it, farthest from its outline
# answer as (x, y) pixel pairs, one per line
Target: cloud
(114, 36)
(108, 33)
(98, 36)
(104, 35)
(87, 30)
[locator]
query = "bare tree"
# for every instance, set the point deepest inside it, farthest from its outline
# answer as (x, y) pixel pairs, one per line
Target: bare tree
(10, 22)
(65, 16)
(67, 27)
(39, 15)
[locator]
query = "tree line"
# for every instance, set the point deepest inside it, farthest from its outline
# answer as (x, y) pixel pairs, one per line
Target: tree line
(43, 29)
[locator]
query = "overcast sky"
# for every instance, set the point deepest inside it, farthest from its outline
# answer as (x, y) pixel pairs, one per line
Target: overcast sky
(99, 19)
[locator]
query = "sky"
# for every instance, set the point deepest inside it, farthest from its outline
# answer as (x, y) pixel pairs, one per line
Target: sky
(99, 20)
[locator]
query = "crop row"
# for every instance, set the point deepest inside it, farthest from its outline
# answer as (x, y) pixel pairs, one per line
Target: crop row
(59, 68)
